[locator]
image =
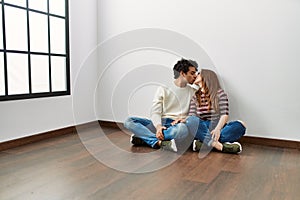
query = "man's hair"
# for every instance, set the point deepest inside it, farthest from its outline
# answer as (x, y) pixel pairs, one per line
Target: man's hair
(183, 66)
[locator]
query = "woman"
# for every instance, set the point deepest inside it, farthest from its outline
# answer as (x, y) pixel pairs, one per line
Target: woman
(209, 113)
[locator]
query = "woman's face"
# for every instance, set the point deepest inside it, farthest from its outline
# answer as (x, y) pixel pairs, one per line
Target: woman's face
(201, 83)
(199, 79)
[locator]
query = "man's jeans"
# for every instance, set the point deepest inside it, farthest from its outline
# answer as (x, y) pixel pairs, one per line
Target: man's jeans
(231, 132)
(143, 128)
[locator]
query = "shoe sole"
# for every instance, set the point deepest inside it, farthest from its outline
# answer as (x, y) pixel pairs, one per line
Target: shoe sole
(173, 145)
(131, 139)
(194, 145)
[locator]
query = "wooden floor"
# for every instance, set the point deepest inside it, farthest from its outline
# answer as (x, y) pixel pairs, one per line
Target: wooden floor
(61, 168)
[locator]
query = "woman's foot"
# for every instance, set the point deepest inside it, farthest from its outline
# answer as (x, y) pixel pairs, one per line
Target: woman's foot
(227, 147)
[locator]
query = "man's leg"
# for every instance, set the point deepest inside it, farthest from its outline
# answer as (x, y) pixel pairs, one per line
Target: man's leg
(192, 123)
(142, 128)
(179, 132)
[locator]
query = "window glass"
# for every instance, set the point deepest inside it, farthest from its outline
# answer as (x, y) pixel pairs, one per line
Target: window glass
(38, 26)
(57, 7)
(58, 73)
(2, 83)
(40, 5)
(17, 2)
(33, 32)
(57, 35)
(17, 73)
(16, 28)
(40, 73)
(1, 32)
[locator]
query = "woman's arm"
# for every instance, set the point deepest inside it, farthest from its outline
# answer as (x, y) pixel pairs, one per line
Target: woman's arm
(224, 114)
(217, 131)
(223, 120)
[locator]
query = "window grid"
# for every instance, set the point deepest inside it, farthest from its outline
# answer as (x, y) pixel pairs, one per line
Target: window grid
(28, 43)
(51, 93)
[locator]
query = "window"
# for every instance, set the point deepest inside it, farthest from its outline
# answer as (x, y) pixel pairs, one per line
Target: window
(34, 49)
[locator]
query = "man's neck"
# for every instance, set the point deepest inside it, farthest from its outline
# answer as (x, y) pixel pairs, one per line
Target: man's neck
(180, 83)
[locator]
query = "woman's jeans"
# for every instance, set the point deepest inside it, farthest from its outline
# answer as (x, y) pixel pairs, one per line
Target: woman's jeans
(201, 129)
(143, 128)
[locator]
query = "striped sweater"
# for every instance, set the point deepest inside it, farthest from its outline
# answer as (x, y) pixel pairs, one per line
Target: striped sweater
(209, 114)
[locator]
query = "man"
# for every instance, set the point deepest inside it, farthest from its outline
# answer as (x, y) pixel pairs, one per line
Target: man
(169, 110)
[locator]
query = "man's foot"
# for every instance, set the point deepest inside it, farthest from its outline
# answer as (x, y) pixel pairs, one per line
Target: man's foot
(169, 145)
(197, 145)
(234, 147)
(136, 141)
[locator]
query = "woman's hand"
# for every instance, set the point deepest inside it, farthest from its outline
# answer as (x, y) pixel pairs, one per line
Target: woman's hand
(217, 131)
(215, 134)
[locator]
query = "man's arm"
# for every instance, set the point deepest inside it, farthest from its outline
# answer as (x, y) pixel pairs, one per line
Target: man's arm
(156, 112)
(157, 107)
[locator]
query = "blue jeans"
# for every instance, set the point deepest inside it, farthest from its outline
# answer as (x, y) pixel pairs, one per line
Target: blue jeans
(144, 129)
(201, 129)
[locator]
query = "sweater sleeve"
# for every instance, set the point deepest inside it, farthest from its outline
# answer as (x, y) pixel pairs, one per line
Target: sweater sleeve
(157, 107)
(223, 103)
(193, 106)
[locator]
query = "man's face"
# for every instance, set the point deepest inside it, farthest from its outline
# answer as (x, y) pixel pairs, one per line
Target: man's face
(191, 75)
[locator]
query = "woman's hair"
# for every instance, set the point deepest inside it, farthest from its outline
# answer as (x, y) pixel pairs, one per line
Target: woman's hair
(211, 85)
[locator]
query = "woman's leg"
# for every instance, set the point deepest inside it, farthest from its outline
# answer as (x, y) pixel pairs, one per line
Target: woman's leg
(232, 131)
(199, 128)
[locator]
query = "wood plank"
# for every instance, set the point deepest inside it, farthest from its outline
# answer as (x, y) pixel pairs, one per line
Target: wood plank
(270, 142)
(62, 168)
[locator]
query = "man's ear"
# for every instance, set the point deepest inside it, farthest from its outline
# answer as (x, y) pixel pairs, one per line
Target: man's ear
(182, 74)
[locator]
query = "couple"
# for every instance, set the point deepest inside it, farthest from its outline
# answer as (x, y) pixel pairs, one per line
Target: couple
(193, 109)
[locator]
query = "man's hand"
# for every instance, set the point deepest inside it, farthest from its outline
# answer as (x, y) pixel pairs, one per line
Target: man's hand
(159, 132)
(178, 121)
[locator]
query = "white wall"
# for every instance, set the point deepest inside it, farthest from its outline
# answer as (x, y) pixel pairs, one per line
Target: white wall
(28, 117)
(254, 45)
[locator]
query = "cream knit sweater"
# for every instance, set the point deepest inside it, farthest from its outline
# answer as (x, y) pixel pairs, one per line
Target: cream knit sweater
(171, 102)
